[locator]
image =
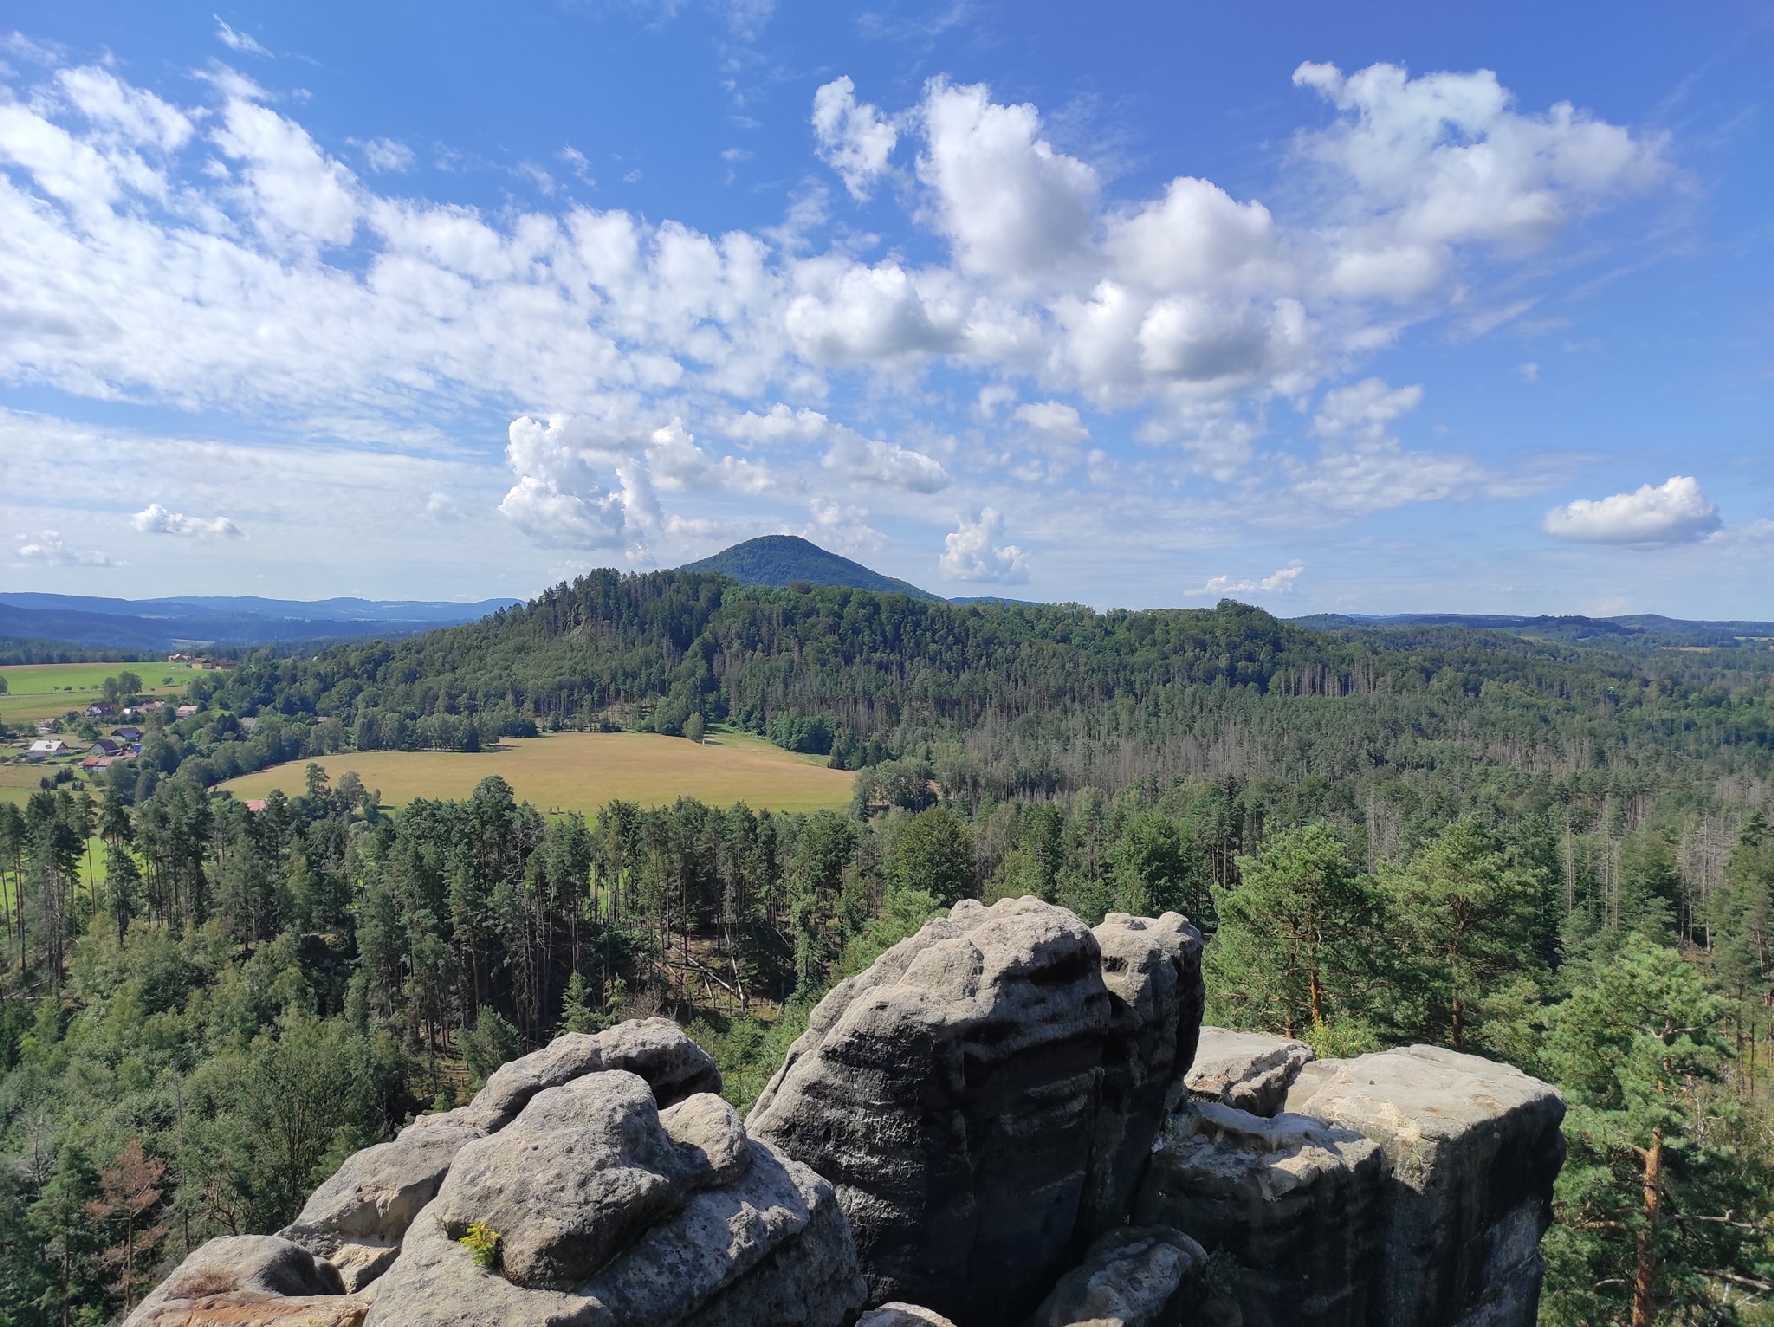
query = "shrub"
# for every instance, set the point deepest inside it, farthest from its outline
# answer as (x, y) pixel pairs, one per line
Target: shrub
(482, 1243)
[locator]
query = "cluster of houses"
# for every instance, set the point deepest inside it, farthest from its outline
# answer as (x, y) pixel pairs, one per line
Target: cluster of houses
(124, 743)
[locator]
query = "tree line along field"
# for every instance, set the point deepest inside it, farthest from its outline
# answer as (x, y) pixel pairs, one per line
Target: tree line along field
(43, 691)
(581, 772)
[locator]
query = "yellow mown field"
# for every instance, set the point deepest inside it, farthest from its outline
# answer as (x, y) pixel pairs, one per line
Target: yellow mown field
(583, 771)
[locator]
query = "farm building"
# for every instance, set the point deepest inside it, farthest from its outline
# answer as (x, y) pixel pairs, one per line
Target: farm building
(104, 746)
(185, 711)
(127, 734)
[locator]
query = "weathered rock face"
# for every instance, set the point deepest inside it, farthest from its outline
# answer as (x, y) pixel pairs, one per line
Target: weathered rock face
(1249, 1070)
(1152, 968)
(357, 1219)
(250, 1279)
(622, 1190)
(612, 1213)
(967, 1126)
(983, 1097)
(1472, 1148)
(1138, 1276)
(1293, 1203)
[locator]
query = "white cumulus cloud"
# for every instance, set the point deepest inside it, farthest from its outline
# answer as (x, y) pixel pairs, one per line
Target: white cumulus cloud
(1279, 581)
(851, 136)
(155, 519)
(1651, 516)
(972, 551)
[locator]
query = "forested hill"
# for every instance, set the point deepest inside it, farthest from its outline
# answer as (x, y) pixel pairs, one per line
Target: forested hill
(784, 559)
(1026, 699)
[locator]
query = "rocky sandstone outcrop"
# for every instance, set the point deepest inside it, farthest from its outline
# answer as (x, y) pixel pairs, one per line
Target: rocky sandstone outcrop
(1472, 1148)
(612, 1213)
(985, 1095)
(1138, 1276)
(1250, 1070)
(966, 1129)
(250, 1279)
(358, 1218)
(1292, 1205)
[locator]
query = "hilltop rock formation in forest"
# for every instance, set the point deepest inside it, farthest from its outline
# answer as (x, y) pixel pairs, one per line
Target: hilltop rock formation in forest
(984, 1101)
(1009, 1120)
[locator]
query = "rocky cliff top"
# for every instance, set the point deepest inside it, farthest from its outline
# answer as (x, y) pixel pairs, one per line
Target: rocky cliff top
(1010, 1118)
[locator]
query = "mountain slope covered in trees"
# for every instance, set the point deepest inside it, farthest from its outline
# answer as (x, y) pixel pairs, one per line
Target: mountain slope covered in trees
(786, 559)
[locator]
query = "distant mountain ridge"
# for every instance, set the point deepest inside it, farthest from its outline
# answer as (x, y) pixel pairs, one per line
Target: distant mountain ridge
(1574, 629)
(224, 620)
(785, 559)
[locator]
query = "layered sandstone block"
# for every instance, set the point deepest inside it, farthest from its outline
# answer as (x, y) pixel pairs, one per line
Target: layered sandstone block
(985, 1096)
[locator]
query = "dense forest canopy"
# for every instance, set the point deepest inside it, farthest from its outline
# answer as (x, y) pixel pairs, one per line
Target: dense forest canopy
(1553, 854)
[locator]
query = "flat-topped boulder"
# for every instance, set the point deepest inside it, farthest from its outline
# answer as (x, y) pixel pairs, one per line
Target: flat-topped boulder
(1291, 1204)
(1252, 1071)
(984, 1096)
(1472, 1148)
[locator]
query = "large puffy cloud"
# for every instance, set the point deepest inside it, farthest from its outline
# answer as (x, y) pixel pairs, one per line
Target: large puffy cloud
(1012, 205)
(853, 138)
(972, 551)
(1676, 511)
(851, 313)
(156, 519)
(1195, 236)
(577, 486)
(1422, 165)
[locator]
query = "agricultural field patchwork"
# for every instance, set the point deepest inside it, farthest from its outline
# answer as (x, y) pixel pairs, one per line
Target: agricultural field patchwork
(583, 771)
(43, 691)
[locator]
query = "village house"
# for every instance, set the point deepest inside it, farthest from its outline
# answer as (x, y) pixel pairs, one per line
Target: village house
(44, 747)
(99, 709)
(105, 746)
(185, 711)
(127, 733)
(97, 762)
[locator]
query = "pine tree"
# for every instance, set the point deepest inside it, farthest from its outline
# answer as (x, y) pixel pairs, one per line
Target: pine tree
(1652, 1222)
(1293, 935)
(1467, 917)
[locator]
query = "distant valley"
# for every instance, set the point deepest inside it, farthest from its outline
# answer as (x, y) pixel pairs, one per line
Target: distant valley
(221, 620)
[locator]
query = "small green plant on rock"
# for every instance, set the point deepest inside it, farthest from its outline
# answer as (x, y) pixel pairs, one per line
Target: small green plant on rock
(482, 1243)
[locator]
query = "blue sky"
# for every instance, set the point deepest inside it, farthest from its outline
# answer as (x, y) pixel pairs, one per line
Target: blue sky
(1367, 310)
